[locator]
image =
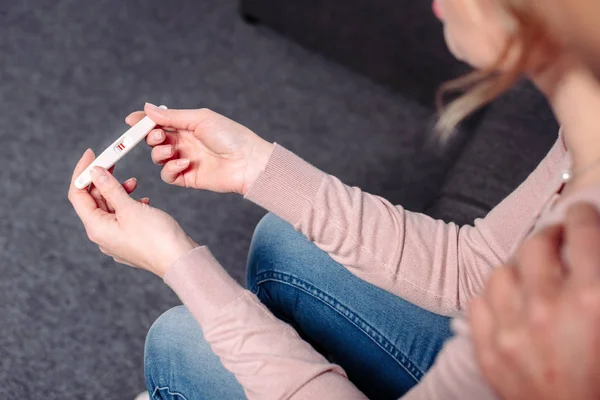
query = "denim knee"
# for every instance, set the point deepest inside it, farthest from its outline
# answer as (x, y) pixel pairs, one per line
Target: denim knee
(167, 342)
(274, 241)
(173, 340)
(180, 363)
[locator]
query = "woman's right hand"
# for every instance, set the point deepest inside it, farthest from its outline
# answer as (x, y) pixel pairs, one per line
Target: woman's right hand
(204, 150)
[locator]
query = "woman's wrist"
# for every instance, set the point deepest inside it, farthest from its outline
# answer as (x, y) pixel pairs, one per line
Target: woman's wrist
(178, 249)
(258, 159)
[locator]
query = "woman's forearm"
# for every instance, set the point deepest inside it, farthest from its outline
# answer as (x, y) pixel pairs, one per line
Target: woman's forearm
(433, 264)
(266, 355)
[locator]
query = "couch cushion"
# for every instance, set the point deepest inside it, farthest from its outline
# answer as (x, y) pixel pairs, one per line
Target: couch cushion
(512, 137)
(398, 42)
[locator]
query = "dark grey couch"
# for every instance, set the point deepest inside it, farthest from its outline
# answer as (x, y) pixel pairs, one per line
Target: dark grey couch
(400, 43)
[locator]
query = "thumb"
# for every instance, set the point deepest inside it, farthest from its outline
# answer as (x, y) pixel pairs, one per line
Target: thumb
(178, 119)
(110, 188)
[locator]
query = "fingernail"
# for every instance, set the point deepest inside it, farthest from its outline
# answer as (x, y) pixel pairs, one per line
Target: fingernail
(131, 180)
(183, 162)
(101, 174)
(157, 135)
(152, 106)
(167, 151)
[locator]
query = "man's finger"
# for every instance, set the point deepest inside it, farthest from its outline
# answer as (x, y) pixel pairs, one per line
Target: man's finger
(504, 298)
(110, 188)
(540, 263)
(483, 332)
(582, 243)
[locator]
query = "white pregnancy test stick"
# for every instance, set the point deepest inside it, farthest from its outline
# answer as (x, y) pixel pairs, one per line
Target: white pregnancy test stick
(117, 150)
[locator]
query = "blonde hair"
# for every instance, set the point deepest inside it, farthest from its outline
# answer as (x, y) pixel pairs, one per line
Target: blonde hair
(481, 87)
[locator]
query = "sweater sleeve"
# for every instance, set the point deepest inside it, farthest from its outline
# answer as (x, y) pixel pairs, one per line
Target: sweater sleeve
(436, 265)
(456, 374)
(266, 356)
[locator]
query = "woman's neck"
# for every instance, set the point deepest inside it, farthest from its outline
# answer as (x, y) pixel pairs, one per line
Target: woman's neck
(574, 94)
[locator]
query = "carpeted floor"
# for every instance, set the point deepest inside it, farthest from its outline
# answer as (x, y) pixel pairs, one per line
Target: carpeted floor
(72, 321)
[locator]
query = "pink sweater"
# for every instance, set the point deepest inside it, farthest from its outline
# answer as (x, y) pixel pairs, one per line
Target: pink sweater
(435, 265)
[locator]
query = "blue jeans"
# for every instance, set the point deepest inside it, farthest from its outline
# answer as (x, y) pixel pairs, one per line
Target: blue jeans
(385, 344)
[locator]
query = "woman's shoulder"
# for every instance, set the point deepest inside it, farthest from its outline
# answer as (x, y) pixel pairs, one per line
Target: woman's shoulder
(590, 194)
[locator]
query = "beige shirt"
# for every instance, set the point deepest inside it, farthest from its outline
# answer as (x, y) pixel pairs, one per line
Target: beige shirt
(437, 266)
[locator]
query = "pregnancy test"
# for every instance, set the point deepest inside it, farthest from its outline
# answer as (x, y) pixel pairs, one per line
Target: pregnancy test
(117, 150)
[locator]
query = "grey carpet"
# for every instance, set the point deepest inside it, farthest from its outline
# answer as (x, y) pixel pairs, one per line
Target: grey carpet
(72, 321)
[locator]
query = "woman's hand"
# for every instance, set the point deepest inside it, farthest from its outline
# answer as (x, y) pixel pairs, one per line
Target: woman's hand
(204, 150)
(536, 328)
(131, 232)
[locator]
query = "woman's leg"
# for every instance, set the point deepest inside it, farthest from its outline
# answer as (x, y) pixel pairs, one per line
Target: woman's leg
(384, 343)
(180, 365)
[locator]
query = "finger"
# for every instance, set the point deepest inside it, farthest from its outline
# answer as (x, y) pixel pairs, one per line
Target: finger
(179, 119)
(111, 189)
(504, 298)
(137, 116)
(145, 200)
(134, 117)
(540, 263)
(129, 185)
(156, 137)
(85, 160)
(95, 193)
(582, 244)
(483, 332)
(161, 154)
(83, 203)
(171, 172)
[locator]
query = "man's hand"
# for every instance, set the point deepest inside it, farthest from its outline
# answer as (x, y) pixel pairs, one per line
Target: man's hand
(536, 328)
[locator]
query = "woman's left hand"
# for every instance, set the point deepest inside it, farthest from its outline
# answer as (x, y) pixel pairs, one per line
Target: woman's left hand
(536, 328)
(130, 231)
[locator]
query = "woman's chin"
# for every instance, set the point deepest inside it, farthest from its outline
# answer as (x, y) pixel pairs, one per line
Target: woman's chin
(453, 48)
(464, 56)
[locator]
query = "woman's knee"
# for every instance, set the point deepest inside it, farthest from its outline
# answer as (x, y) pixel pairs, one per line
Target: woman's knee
(283, 263)
(173, 338)
(275, 245)
(166, 335)
(180, 363)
